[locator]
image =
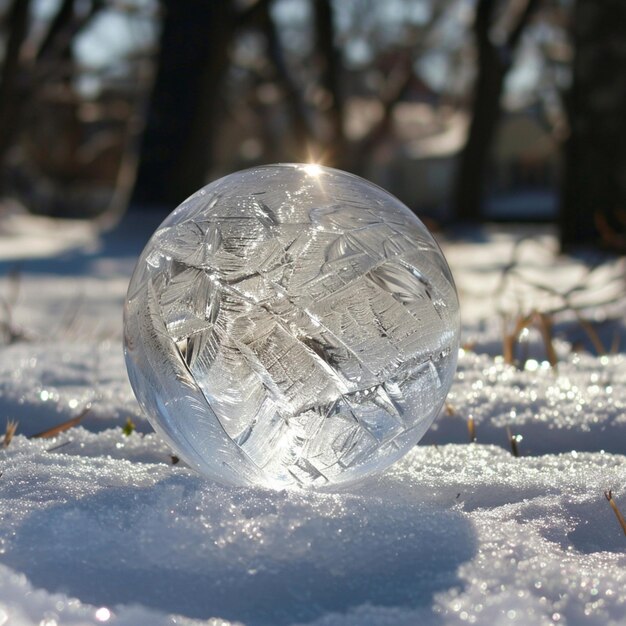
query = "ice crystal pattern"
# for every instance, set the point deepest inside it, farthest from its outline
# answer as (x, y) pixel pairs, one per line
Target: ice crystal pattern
(291, 325)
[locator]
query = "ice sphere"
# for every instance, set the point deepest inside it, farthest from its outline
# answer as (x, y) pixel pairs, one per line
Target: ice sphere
(291, 325)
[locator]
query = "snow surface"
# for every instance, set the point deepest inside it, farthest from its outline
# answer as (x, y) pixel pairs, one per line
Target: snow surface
(99, 527)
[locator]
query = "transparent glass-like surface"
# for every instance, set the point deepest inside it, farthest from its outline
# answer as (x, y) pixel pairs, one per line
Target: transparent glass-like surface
(291, 325)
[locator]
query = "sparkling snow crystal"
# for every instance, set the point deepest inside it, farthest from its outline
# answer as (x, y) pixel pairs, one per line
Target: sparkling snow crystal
(291, 325)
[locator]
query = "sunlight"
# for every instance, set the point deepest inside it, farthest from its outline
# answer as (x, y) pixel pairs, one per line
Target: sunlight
(103, 614)
(312, 169)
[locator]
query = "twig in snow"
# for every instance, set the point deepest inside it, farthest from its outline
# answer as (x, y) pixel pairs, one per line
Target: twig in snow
(59, 428)
(620, 518)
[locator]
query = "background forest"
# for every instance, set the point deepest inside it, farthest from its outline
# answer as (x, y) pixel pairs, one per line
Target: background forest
(466, 109)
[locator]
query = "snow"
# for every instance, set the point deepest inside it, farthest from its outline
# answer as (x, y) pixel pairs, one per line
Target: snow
(100, 527)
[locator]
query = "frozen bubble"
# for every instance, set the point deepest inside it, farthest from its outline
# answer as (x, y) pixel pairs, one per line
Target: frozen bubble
(291, 325)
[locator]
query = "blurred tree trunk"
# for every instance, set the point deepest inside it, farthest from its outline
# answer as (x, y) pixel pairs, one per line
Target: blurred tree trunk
(593, 204)
(175, 156)
(494, 61)
(10, 92)
(330, 65)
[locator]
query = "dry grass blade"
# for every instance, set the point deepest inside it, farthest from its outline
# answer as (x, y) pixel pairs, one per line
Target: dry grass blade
(510, 339)
(543, 322)
(615, 344)
(471, 429)
(9, 432)
(545, 326)
(513, 441)
(620, 518)
(70, 317)
(61, 445)
(508, 344)
(59, 428)
(12, 331)
(471, 425)
(592, 334)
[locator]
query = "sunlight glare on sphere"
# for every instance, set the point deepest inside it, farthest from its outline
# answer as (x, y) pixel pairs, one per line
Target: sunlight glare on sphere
(291, 326)
(312, 169)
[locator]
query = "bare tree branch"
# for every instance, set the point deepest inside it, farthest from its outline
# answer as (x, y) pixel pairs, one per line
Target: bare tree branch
(517, 31)
(62, 18)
